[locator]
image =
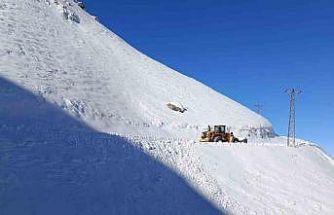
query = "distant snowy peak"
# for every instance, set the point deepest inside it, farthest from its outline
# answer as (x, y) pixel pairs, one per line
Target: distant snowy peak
(61, 53)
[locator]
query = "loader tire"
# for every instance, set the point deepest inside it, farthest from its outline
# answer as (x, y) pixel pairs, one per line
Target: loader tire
(217, 139)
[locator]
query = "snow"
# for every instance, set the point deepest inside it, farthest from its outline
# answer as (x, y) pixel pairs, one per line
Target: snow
(85, 129)
(51, 163)
(119, 86)
(272, 178)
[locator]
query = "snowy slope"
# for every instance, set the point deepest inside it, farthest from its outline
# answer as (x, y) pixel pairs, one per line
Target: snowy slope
(51, 163)
(95, 75)
(272, 178)
(85, 129)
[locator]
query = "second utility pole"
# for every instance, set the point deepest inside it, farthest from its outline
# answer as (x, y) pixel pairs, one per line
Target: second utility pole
(292, 117)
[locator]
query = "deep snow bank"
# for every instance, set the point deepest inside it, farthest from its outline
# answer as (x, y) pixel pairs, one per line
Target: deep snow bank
(51, 163)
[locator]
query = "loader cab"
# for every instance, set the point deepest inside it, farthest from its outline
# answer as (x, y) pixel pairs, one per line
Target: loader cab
(220, 129)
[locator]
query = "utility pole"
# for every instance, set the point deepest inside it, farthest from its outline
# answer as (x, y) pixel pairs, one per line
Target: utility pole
(292, 116)
(259, 108)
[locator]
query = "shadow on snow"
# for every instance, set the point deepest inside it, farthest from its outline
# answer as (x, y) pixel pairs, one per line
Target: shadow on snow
(51, 163)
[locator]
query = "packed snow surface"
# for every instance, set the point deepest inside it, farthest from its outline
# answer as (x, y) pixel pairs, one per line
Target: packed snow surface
(90, 125)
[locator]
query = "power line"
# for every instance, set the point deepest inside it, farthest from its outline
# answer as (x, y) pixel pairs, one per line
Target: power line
(292, 116)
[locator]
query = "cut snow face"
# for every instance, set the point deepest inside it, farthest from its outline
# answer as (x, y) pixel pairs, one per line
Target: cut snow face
(54, 164)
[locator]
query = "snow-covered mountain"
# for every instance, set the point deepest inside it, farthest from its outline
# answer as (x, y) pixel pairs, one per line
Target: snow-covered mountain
(86, 129)
(58, 51)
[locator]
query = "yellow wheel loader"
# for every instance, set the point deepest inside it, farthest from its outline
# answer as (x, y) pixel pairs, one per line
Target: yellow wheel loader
(219, 134)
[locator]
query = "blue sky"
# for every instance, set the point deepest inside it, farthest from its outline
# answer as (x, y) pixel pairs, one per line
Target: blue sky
(249, 50)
